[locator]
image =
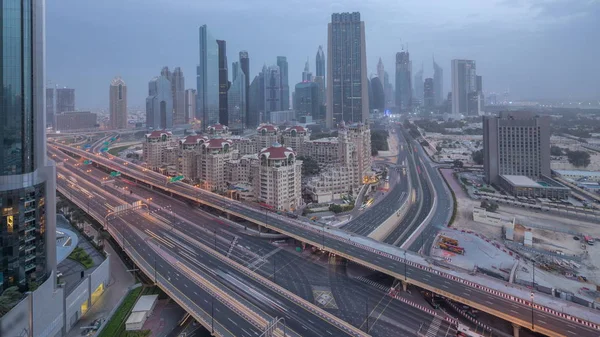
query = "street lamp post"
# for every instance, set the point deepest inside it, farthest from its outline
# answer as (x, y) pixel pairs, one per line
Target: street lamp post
(532, 325)
(405, 271)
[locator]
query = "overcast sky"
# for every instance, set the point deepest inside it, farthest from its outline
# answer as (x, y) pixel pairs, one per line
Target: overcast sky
(535, 48)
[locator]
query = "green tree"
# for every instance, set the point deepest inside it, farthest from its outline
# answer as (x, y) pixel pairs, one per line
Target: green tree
(438, 148)
(579, 158)
(556, 151)
(309, 166)
(478, 157)
(489, 206)
(9, 298)
(458, 163)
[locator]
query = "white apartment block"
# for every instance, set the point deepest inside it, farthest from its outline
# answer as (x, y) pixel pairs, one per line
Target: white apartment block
(214, 154)
(243, 170)
(244, 145)
(359, 136)
(266, 136)
(295, 137)
(218, 131)
(325, 151)
(278, 183)
(331, 184)
(157, 149)
(189, 149)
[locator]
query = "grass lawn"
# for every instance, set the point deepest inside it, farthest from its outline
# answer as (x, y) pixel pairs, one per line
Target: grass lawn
(115, 150)
(116, 326)
(82, 257)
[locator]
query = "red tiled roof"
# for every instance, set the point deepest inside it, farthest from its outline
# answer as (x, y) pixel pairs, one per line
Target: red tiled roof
(158, 134)
(298, 128)
(193, 139)
(217, 143)
(268, 127)
(277, 151)
(218, 127)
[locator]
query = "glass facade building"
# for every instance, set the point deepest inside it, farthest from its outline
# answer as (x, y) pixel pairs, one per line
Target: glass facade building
(463, 84)
(159, 104)
(236, 98)
(347, 86)
(207, 79)
(438, 83)
(27, 179)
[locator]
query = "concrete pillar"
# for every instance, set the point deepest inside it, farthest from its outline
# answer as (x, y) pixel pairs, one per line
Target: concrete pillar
(404, 285)
(228, 216)
(516, 329)
(259, 230)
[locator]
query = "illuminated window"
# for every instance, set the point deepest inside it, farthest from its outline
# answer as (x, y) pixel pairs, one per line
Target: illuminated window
(9, 223)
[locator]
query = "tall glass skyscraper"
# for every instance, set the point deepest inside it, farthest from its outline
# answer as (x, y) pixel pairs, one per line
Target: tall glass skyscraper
(27, 177)
(236, 98)
(438, 83)
(347, 86)
(159, 104)
(284, 86)
(207, 79)
(403, 81)
(464, 82)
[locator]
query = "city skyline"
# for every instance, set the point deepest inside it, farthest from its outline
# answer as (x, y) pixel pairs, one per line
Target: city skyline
(530, 77)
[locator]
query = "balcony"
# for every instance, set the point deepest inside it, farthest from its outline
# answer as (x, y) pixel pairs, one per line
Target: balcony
(29, 267)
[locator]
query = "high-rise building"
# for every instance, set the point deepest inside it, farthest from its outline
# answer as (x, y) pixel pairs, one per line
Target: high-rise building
(284, 84)
(237, 98)
(306, 74)
(516, 143)
(190, 104)
(388, 88)
(438, 83)
(278, 180)
(256, 101)
(245, 64)
(428, 93)
(50, 107)
(76, 120)
(159, 104)
(347, 87)
(178, 88)
(273, 92)
(306, 99)
(223, 82)
(380, 70)
(118, 104)
(463, 84)
(27, 176)
(418, 83)
(403, 81)
(378, 94)
(320, 62)
(207, 79)
(65, 100)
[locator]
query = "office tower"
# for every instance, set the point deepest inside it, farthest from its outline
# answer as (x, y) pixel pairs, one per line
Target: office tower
(207, 79)
(245, 64)
(277, 181)
(159, 104)
(438, 83)
(418, 83)
(463, 84)
(27, 176)
(50, 107)
(380, 70)
(284, 85)
(76, 120)
(178, 88)
(118, 104)
(403, 81)
(320, 62)
(479, 88)
(389, 90)
(273, 92)
(65, 100)
(256, 100)
(306, 99)
(516, 143)
(306, 74)
(378, 94)
(347, 87)
(223, 82)
(190, 105)
(237, 98)
(428, 94)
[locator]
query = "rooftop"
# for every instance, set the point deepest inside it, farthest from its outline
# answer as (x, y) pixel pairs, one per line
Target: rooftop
(268, 127)
(158, 134)
(578, 173)
(277, 151)
(522, 181)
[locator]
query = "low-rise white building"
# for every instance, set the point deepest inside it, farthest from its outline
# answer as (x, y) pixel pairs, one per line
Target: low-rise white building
(244, 145)
(331, 184)
(295, 137)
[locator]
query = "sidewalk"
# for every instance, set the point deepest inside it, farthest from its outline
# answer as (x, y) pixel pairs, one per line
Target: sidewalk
(120, 281)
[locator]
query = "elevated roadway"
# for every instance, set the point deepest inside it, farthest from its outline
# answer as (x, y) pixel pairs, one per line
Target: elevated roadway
(480, 292)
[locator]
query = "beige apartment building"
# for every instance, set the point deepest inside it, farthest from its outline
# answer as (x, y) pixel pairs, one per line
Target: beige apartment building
(189, 150)
(214, 154)
(278, 180)
(296, 137)
(266, 136)
(158, 148)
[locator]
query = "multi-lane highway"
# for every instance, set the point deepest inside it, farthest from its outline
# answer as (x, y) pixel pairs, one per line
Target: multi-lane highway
(486, 298)
(388, 317)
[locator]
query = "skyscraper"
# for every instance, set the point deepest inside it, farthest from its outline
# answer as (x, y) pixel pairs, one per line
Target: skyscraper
(190, 104)
(27, 176)
(118, 104)
(320, 62)
(178, 88)
(438, 83)
(306, 99)
(284, 85)
(50, 107)
(378, 94)
(428, 93)
(256, 105)
(159, 104)
(380, 70)
(223, 83)
(207, 79)
(403, 81)
(237, 98)
(463, 84)
(273, 92)
(388, 88)
(418, 83)
(306, 74)
(245, 65)
(65, 100)
(347, 87)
